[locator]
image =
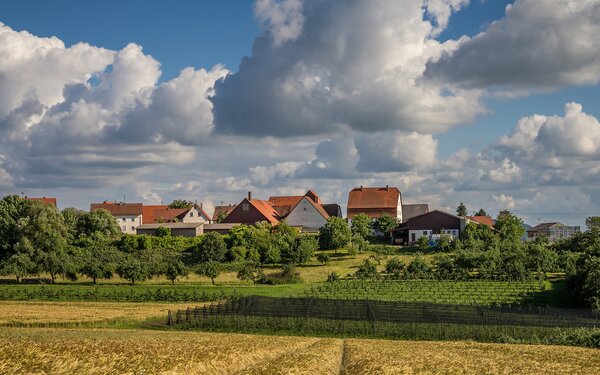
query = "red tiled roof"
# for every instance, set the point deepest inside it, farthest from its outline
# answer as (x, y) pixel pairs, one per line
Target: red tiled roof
(170, 214)
(149, 213)
(119, 208)
(381, 197)
(266, 209)
(49, 201)
(485, 220)
(285, 200)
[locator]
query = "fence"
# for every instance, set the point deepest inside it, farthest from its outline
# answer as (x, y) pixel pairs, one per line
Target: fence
(387, 312)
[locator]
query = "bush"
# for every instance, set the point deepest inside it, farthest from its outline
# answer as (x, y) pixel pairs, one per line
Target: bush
(418, 268)
(333, 277)
(323, 258)
(236, 253)
(423, 243)
(304, 249)
(366, 269)
(395, 268)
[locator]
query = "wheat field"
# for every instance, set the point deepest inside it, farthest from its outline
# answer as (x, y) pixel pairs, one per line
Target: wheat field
(112, 351)
(32, 313)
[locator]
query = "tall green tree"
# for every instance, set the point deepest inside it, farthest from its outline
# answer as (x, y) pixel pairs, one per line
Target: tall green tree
(99, 259)
(361, 225)
(212, 248)
(510, 227)
(481, 212)
(461, 210)
(385, 223)
(593, 222)
(210, 270)
(12, 209)
(335, 234)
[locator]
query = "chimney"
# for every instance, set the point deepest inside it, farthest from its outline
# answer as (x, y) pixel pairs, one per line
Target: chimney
(249, 195)
(387, 187)
(201, 205)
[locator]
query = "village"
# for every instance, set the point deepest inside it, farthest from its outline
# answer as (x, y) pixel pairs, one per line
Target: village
(307, 213)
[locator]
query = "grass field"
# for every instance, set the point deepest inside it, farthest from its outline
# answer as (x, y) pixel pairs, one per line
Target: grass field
(21, 313)
(79, 351)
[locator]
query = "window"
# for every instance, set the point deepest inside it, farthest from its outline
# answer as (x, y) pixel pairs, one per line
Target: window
(191, 213)
(132, 219)
(132, 228)
(123, 228)
(424, 232)
(245, 207)
(304, 208)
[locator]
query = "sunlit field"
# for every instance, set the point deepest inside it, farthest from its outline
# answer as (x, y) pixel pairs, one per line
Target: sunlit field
(81, 351)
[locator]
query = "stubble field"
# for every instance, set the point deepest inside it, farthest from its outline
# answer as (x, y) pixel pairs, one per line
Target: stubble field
(106, 351)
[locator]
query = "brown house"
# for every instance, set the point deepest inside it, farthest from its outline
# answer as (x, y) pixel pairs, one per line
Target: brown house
(250, 211)
(375, 202)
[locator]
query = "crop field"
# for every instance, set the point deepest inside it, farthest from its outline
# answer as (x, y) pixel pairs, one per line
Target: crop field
(483, 293)
(20, 313)
(79, 351)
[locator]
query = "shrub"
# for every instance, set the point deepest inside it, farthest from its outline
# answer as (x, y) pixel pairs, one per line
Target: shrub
(304, 249)
(423, 243)
(395, 268)
(333, 277)
(418, 268)
(323, 258)
(236, 253)
(366, 269)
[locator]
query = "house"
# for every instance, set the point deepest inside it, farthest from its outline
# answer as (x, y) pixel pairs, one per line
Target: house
(485, 220)
(128, 215)
(431, 225)
(193, 214)
(250, 211)
(177, 229)
(221, 212)
(375, 202)
(308, 215)
(553, 231)
(304, 211)
(44, 200)
(411, 210)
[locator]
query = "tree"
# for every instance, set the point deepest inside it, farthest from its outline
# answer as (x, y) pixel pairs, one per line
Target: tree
(481, 212)
(395, 268)
(18, 265)
(444, 242)
(361, 225)
(250, 271)
(352, 249)
(461, 210)
(333, 277)
(210, 270)
(181, 203)
(236, 253)
(98, 224)
(385, 223)
(175, 268)
(361, 244)
(133, 269)
(366, 269)
(99, 260)
(12, 209)
(418, 268)
(222, 215)
(592, 222)
(304, 249)
(510, 228)
(212, 248)
(335, 234)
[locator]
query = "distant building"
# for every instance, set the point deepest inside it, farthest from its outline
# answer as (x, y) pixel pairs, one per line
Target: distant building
(165, 214)
(375, 202)
(307, 215)
(221, 212)
(48, 201)
(553, 231)
(250, 211)
(411, 210)
(431, 225)
(177, 229)
(485, 220)
(128, 215)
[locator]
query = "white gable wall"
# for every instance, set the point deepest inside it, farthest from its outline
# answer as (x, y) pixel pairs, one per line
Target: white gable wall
(194, 216)
(306, 216)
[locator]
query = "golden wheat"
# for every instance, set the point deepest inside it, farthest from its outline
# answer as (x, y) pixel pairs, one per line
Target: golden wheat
(422, 357)
(64, 351)
(30, 312)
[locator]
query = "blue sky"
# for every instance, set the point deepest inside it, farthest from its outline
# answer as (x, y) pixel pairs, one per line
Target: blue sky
(295, 115)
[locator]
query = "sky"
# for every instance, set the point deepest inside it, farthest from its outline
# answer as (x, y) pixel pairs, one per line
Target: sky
(493, 103)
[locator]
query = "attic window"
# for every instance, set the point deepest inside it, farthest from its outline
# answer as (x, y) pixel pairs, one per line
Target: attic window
(245, 207)
(191, 213)
(304, 208)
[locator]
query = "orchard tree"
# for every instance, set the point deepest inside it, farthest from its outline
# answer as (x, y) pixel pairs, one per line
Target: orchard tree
(174, 268)
(361, 225)
(304, 249)
(98, 224)
(212, 248)
(99, 261)
(12, 209)
(461, 210)
(250, 272)
(133, 269)
(210, 270)
(335, 234)
(18, 265)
